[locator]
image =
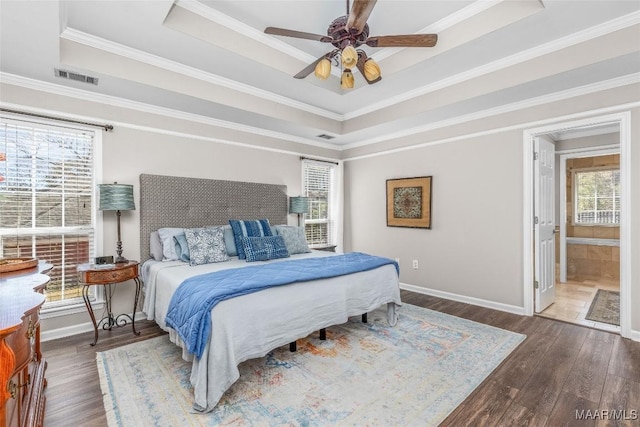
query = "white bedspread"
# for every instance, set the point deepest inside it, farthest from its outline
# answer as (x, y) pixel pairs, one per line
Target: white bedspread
(250, 326)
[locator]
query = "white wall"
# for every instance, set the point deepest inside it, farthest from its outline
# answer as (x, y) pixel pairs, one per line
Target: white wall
(474, 251)
(151, 144)
(473, 246)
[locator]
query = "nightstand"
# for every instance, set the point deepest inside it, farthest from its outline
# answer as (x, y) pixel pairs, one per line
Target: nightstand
(109, 276)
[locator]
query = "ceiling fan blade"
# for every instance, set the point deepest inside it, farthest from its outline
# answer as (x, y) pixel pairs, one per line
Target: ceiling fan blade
(360, 11)
(297, 34)
(311, 67)
(408, 40)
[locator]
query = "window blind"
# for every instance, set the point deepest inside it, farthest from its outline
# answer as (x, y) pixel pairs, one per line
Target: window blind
(46, 199)
(317, 184)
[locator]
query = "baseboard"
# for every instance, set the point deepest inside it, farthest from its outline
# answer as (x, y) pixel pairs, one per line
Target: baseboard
(465, 299)
(81, 328)
(635, 335)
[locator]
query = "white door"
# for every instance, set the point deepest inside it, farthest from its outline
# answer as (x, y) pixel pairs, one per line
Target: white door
(544, 212)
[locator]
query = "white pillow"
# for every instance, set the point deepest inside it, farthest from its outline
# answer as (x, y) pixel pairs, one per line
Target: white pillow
(155, 246)
(168, 244)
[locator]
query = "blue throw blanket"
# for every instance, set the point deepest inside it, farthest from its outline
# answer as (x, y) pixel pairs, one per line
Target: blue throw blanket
(190, 307)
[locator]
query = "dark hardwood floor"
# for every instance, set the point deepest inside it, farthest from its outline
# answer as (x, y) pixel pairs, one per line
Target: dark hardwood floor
(559, 370)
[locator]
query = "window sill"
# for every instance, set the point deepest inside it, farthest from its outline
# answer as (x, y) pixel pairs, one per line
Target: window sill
(67, 310)
(592, 241)
(594, 225)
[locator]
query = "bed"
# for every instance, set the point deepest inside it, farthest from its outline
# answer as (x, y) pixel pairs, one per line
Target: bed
(251, 325)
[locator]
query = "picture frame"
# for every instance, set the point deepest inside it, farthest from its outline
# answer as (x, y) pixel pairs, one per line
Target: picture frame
(409, 202)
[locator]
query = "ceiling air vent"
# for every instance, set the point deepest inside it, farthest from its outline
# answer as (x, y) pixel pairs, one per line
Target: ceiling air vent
(325, 136)
(75, 76)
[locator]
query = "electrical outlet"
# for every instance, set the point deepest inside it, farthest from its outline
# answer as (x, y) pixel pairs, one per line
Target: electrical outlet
(415, 264)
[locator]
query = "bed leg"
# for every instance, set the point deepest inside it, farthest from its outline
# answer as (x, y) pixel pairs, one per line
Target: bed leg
(293, 347)
(323, 334)
(364, 318)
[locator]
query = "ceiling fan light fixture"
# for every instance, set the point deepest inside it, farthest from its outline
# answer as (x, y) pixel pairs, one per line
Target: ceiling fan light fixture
(323, 69)
(346, 33)
(349, 57)
(371, 70)
(347, 81)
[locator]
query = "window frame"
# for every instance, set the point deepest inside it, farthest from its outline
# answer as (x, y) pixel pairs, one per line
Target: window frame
(330, 221)
(75, 304)
(574, 191)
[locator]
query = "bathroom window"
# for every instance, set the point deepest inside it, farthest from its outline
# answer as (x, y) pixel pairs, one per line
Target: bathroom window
(597, 196)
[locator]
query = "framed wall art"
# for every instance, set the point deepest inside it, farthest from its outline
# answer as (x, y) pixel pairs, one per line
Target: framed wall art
(409, 202)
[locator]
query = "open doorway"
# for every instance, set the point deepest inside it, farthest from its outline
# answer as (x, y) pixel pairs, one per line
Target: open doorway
(587, 225)
(581, 261)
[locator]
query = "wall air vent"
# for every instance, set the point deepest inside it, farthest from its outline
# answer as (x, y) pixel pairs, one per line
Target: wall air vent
(325, 136)
(75, 76)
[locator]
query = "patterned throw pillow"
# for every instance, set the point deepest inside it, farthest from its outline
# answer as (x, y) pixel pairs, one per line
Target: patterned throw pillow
(294, 238)
(206, 245)
(255, 228)
(264, 248)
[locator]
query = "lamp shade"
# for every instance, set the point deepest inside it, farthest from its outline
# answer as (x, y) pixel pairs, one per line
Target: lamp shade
(323, 69)
(116, 197)
(347, 81)
(299, 205)
(349, 57)
(371, 70)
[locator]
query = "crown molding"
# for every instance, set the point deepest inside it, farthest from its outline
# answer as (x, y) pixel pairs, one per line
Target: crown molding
(95, 42)
(119, 49)
(167, 112)
(214, 15)
(527, 55)
(163, 131)
(532, 102)
(607, 110)
(437, 27)
(148, 108)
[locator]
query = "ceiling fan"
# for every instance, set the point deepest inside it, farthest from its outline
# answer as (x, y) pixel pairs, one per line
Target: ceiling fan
(347, 33)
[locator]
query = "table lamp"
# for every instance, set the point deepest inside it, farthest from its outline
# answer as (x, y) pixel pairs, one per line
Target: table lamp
(117, 197)
(299, 205)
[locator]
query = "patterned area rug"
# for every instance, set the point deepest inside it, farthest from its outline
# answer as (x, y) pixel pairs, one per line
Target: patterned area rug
(363, 374)
(605, 307)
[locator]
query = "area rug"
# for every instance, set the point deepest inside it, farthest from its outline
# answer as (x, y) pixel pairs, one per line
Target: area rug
(364, 374)
(605, 307)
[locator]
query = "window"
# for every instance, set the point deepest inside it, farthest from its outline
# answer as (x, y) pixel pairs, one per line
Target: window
(47, 199)
(597, 196)
(318, 181)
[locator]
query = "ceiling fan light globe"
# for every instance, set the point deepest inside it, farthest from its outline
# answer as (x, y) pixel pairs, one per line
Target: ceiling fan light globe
(323, 69)
(347, 80)
(349, 57)
(371, 70)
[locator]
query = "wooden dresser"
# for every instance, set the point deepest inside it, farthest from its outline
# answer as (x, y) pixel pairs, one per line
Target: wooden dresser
(22, 366)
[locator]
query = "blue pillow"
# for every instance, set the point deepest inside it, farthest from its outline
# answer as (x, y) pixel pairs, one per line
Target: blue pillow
(254, 228)
(229, 241)
(264, 248)
(294, 238)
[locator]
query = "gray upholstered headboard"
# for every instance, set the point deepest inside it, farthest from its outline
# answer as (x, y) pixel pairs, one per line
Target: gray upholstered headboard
(170, 201)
